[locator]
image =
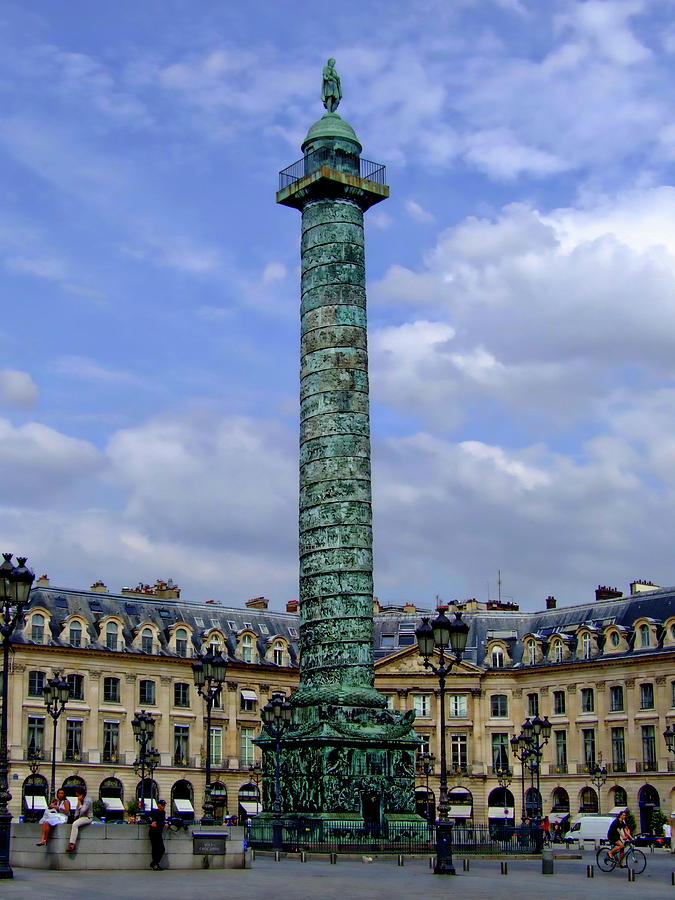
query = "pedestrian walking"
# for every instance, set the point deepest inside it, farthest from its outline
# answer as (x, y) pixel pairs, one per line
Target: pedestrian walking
(156, 833)
(83, 816)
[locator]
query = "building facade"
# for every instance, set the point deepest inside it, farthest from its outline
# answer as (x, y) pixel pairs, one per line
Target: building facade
(603, 673)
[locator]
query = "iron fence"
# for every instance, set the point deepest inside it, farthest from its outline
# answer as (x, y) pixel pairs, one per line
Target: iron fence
(339, 836)
(334, 159)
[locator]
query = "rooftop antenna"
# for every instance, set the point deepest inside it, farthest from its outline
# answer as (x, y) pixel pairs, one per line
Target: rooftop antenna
(499, 584)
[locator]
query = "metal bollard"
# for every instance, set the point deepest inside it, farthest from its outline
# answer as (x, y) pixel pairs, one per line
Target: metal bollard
(401, 860)
(431, 862)
(547, 861)
(672, 878)
(590, 872)
(303, 856)
(631, 875)
(504, 868)
(466, 864)
(277, 856)
(333, 859)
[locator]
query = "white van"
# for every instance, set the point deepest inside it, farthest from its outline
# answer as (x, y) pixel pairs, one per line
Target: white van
(591, 827)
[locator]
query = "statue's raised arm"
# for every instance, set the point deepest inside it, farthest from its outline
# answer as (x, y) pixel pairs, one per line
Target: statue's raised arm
(331, 90)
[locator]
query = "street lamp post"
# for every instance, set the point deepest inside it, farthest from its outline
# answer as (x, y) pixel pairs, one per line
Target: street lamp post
(425, 766)
(277, 716)
(528, 747)
(209, 676)
(255, 774)
(449, 638)
(669, 738)
(598, 774)
(15, 585)
(143, 725)
(504, 780)
(56, 693)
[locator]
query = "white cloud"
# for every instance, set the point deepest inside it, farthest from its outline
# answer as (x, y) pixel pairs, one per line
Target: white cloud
(90, 370)
(417, 212)
(274, 271)
(17, 388)
(50, 269)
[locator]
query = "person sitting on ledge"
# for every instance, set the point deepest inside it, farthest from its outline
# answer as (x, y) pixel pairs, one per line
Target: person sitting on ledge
(83, 816)
(57, 814)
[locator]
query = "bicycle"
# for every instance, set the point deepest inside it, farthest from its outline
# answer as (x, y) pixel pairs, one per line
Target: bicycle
(633, 859)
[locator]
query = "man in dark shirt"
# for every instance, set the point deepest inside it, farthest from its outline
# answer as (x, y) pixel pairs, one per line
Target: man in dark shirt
(618, 834)
(157, 819)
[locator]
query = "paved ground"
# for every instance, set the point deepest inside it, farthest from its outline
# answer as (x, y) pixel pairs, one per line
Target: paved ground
(351, 880)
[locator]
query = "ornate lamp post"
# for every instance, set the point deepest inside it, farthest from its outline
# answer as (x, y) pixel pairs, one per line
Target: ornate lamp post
(15, 584)
(143, 725)
(56, 693)
(449, 638)
(276, 717)
(598, 774)
(669, 738)
(255, 774)
(209, 675)
(425, 766)
(528, 747)
(504, 780)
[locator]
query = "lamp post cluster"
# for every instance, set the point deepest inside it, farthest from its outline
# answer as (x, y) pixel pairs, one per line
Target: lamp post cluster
(56, 693)
(15, 584)
(209, 676)
(277, 716)
(448, 637)
(528, 747)
(143, 725)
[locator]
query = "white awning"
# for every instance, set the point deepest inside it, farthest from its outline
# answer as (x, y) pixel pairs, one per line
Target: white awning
(459, 812)
(113, 803)
(615, 810)
(249, 695)
(421, 790)
(252, 809)
(554, 818)
(501, 812)
(457, 791)
(183, 805)
(148, 803)
(37, 801)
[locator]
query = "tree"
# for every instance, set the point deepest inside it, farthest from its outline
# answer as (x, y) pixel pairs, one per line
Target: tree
(630, 821)
(657, 822)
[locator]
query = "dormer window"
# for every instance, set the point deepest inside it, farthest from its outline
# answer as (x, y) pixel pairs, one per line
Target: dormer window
(558, 652)
(278, 654)
(181, 641)
(615, 638)
(111, 635)
(497, 658)
(247, 648)
(37, 629)
(75, 634)
(585, 645)
(531, 649)
(147, 640)
(645, 637)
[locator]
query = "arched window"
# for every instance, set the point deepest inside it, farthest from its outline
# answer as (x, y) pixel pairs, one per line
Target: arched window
(75, 634)
(111, 630)
(69, 785)
(249, 801)
(181, 641)
(111, 794)
(247, 648)
(214, 644)
(558, 651)
(645, 638)
(147, 640)
(531, 653)
(588, 801)
(560, 801)
(37, 629)
(497, 658)
(219, 800)
(614, 638)
(148, 792)
(35, 791)
(278, 654)
(585, 645)
(620, 796)
(182, 798)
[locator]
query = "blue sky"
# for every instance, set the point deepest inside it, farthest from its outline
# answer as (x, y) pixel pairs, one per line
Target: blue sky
(521, 290)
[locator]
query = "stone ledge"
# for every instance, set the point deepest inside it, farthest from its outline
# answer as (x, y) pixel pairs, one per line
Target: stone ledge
(122, 847)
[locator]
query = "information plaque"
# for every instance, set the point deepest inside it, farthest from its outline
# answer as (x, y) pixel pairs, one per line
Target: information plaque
(212, 844)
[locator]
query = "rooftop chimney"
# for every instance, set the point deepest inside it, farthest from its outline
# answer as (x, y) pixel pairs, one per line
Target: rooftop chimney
(42, 581)
(409, 608)
(551, 602)
(638, 587)
(99, 587)
(257, 603)
(292, 606)
(602, 592)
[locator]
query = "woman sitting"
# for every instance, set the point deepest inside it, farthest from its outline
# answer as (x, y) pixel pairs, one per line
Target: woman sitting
(57, 814)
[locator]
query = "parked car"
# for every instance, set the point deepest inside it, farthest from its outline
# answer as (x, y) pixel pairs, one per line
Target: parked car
(645, 839)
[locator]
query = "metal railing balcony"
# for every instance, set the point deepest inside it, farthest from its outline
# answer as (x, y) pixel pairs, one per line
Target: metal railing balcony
(334, 159)
(648, 766)
(76, 756)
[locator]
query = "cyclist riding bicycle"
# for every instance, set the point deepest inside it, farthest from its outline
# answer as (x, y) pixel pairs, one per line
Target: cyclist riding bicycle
(617, 835)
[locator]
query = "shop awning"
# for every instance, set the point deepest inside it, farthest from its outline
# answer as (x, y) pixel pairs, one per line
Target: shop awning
(37, 801)
(501, 812)
(113, 803)
(421, 790)
(459, 812)
(182, 805)
(249, 695)
(149, 803)
(251, 809)
(615, 810)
